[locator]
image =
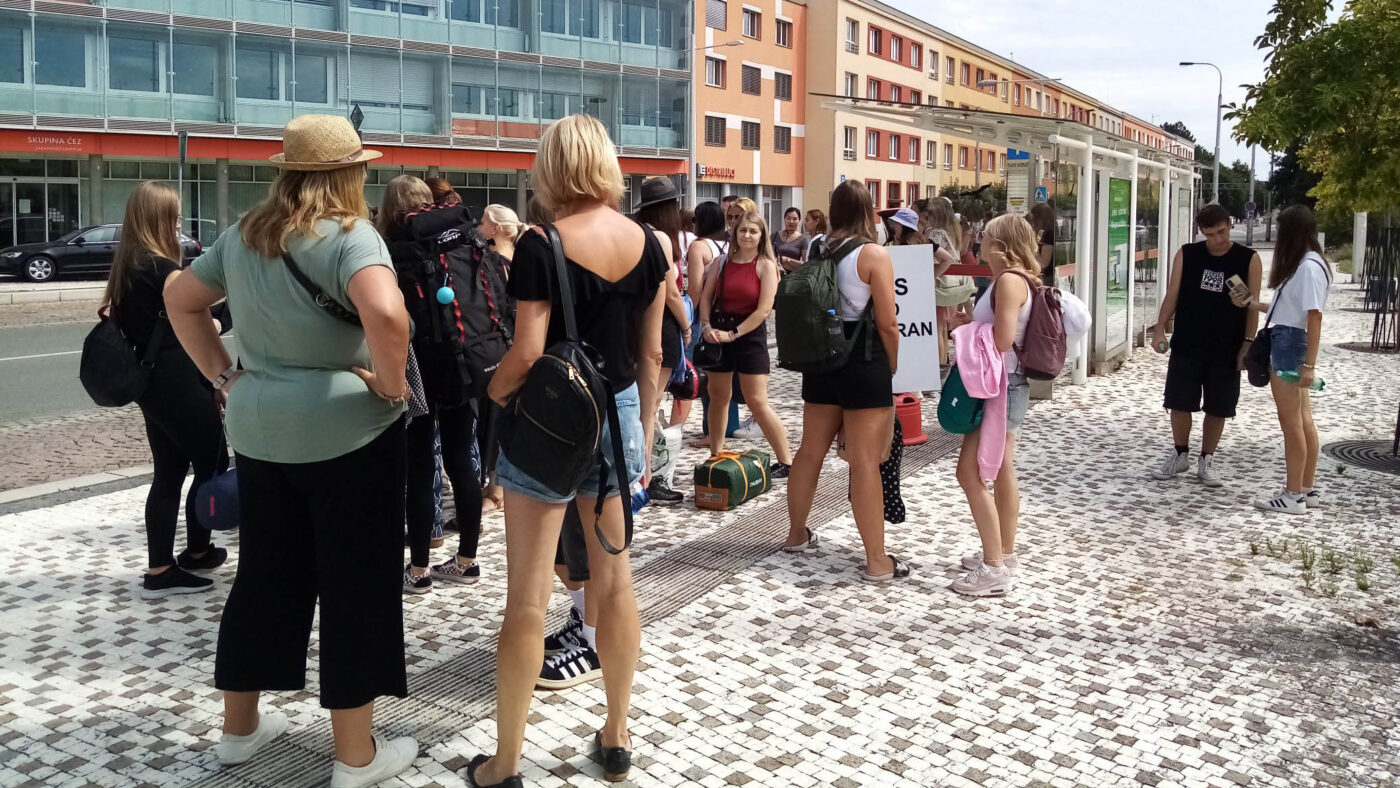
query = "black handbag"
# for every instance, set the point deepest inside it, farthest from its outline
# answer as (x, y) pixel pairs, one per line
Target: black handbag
(708, 355)
(109, 369)
(1256, 359)
(553, 426)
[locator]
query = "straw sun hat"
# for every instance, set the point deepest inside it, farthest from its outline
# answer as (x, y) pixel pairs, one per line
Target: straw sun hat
(321, 142)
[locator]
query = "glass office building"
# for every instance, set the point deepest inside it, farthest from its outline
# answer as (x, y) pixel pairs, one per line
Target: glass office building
(92, 95)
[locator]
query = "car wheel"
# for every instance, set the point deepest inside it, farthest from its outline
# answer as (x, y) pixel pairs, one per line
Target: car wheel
(40, 269)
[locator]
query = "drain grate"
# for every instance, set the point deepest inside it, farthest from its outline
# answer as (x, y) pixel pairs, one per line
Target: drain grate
(1372, 455)
(1365, 347)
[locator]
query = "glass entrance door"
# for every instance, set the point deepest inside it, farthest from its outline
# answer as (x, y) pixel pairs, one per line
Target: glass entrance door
(30, 214)
(7, 214)
(62, 209)
(35, 211)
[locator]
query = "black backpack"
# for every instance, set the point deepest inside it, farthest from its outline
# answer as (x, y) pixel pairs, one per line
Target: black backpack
(109, 369)
(807, 314)
(459, 343)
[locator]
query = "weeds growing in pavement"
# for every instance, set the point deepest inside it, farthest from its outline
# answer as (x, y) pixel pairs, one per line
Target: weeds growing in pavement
(1395, 559)
(1363, 583)
(1328, 587)
(1254, 550)
(1333, 562)
(1309, 578)
(1362, 561)
(1308, 555)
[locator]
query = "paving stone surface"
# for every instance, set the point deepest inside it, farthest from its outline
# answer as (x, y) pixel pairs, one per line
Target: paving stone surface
(1143, 644)
(50, 449)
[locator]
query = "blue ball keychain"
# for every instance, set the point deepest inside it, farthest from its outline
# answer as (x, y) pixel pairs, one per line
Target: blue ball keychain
(445, 295)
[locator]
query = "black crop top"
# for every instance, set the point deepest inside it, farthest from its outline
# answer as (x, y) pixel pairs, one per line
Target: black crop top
(609, 314)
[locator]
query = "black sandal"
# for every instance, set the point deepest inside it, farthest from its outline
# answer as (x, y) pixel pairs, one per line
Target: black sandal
(901, 571)
(514, 781)
(617, 761)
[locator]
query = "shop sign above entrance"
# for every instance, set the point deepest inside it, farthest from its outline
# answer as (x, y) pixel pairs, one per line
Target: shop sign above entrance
(51, 142)
(708, 171)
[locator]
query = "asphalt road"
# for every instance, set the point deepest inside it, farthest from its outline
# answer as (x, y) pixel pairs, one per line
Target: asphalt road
(39, 371)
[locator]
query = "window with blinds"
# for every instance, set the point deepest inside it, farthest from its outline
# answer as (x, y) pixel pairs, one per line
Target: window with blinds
(782, 139)
(752, 80)
(717, 14)
(714, 131)
(782, 86)
(752, 136)
(374, 80)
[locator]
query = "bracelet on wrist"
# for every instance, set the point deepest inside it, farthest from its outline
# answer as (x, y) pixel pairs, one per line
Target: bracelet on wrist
(223, 378)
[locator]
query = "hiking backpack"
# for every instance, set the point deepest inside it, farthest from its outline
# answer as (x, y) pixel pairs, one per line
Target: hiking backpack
(1042, 353)
(807, 315)
(454, 287)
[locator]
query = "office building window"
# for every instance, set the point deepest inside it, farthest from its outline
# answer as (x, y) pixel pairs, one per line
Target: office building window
(852, 82)
(195, 68)
(782, 86)
(872, 89)
(894, 146)
(134, 63)
(12, 56)
(947, 157)
(872, 144)
(752, 80)
(852, 35)
(717, 14)
(714, 72)
(916, 56)
(962, 157)
(506, 12)
(714, 131)
(913, 150)
(782, 139)
(751, 137)
(877, 39)
(311, 85)
(896, 49)
(784, 33)
(753, 23)
(965, 75)
(62, 57)
(848, 146)
(258, 73)
(896, 93)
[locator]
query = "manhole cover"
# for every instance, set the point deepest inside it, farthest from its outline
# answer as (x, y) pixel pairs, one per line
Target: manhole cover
(1365, 347)
(1372, 455)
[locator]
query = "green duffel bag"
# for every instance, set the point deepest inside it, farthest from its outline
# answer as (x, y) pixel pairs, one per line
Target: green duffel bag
(959, 413)
(724, 482)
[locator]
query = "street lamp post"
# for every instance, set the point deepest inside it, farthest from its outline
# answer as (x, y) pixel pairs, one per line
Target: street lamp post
(1219, 103)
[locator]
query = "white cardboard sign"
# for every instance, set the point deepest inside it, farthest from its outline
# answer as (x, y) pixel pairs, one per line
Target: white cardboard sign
(916, 307)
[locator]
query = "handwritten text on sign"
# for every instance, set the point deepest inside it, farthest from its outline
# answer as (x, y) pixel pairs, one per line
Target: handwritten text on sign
(914, 283)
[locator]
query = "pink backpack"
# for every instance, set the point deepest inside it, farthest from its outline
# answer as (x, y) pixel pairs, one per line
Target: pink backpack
(1042, 353)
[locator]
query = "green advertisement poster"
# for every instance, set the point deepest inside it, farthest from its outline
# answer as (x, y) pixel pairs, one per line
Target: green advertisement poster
(1119, 222)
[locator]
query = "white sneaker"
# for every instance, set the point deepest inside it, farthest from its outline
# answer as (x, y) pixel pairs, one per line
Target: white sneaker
(1312, 498)
(749, 430)
(1283, 502)
(1175, 463)
(984, 581)
(391, 757)
(1205, 471)
(233, 750)
(973, 560)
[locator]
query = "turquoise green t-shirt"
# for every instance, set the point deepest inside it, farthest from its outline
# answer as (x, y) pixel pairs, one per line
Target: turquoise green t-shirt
(298, 401)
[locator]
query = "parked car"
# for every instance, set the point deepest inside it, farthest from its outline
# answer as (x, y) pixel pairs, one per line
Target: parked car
(87, 250)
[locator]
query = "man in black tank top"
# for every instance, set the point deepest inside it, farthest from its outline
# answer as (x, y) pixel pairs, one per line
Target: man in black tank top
(1210, 339)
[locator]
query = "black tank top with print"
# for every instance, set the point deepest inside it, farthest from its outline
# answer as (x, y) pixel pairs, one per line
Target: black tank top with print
(1207, 321)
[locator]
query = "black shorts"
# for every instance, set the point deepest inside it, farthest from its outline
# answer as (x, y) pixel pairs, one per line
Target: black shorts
(862, 383)
(572, 552)
(747, 355)
(1211, 379)
(671, 349)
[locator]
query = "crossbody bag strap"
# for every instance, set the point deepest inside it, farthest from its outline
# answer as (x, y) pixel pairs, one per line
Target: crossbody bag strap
(619, 463)
(321, 298)
(566, 287)
(148, 357)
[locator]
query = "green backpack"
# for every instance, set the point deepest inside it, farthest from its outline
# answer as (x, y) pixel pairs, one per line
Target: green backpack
(959, 413)
(807, 314)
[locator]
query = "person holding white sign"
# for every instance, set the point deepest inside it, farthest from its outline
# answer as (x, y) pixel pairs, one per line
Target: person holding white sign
(858, 396)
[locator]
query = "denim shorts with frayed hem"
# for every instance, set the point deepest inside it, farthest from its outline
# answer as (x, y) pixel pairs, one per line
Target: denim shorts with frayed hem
(1288, 348)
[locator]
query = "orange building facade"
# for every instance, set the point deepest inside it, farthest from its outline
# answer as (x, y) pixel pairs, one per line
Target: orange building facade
(750, 102)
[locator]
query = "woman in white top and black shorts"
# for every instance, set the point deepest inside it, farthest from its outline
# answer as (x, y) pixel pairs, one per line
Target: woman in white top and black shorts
(859, 395)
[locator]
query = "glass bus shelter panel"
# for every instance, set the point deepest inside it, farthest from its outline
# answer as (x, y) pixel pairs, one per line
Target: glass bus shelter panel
(1117, 284)
(1148, 276)
(1063, 196)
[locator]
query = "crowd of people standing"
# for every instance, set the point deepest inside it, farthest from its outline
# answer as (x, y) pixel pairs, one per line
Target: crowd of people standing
(338, 405)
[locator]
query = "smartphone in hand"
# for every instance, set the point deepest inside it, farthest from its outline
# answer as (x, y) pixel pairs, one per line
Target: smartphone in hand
(1240, 291)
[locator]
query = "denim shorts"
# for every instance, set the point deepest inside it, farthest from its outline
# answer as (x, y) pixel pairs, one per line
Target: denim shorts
(1018, 401)
(629, 409)
(1289, 348)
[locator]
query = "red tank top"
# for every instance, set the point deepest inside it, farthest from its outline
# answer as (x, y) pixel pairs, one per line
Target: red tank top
(741, 286)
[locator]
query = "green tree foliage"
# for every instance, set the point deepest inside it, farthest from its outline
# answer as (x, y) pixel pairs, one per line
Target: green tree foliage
(1335, 85)
(1292, 181)
(1179, 129)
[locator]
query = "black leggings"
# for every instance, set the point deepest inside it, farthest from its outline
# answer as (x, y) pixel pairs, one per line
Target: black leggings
(183, 428)
(331, 530)
(457, 427)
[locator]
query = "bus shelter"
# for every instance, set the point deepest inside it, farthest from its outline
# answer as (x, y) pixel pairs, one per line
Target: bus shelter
(1122, 208)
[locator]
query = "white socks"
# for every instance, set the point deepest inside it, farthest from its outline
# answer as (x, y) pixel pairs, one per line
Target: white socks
(577, 597)
(590, 634)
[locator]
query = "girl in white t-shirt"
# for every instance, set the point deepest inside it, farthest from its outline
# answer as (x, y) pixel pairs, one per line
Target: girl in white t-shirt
(1300, 278)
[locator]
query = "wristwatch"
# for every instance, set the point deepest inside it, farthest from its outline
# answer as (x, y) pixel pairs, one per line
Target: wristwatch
(223, 378)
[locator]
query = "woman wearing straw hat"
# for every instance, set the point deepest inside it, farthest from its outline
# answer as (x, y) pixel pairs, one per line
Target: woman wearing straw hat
(315, 416)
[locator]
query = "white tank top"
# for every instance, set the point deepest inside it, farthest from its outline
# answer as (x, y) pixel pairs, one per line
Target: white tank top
(855, 294)
(984, 311)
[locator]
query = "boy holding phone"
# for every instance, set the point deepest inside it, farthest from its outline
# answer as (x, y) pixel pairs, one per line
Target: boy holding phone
(1212, 334)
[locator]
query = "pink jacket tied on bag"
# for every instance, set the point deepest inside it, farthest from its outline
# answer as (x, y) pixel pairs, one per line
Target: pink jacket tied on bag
(983, 370)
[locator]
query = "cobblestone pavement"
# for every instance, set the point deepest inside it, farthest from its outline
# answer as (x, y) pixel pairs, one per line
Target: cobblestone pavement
(48, 312)
(65, 447)
(1144, 643)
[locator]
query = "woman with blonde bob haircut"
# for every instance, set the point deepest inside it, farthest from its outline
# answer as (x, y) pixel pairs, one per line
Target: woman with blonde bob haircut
(178, 407)
(1009, 248)
(315, 415)
(503, 228)
(616, 270)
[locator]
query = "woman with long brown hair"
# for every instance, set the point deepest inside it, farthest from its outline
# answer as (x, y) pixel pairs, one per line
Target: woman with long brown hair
(858, 396)
(178, 405)
(315, 415)
(1009, 248)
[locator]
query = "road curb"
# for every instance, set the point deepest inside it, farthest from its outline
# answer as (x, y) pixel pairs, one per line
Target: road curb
(49, 296)
(78, 483)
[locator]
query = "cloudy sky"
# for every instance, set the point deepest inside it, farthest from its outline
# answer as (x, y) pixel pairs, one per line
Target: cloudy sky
(1124, 52)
